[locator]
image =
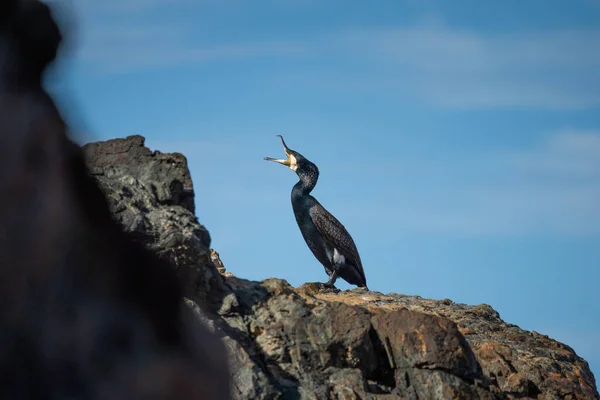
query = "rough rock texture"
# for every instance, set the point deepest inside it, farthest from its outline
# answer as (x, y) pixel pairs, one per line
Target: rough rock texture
(317, 343)
(152, 196)
(515, 362)
(165, 175)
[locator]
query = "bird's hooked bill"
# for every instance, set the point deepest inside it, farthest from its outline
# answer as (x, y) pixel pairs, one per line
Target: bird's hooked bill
(284, 162)
(288, 153)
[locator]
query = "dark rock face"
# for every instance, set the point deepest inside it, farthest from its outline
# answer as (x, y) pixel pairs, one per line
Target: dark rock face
(152, 196)
(85, 311)
(318, 343)
(166, 176)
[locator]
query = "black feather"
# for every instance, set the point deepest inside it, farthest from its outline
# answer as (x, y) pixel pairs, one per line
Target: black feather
(323, 233)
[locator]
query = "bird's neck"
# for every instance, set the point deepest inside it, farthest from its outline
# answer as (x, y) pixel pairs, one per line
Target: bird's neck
(305, 185)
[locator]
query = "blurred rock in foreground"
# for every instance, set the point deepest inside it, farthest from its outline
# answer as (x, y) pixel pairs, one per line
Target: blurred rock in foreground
(86, 312)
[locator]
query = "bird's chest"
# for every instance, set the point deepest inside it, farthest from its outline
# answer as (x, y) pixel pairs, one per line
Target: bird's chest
(303, 218)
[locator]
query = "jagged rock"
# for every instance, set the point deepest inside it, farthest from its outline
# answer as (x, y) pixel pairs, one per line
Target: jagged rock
(515, 362)
(165, 175)
(152, 196)
(329, 349)
(315, 342)
(216, 260)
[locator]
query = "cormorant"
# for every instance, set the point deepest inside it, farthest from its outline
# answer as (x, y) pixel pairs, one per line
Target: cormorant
(326, 237)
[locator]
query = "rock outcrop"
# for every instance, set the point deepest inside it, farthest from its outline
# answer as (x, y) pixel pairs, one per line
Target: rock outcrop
(315, 343)
(152, 196)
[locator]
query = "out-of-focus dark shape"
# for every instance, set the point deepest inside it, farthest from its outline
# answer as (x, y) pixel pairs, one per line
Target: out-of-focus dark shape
(85, 311)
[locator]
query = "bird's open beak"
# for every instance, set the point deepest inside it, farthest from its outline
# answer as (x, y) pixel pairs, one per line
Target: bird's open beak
(287, 162)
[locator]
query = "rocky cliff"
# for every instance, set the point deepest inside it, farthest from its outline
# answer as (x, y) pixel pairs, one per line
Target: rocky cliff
(314, 343)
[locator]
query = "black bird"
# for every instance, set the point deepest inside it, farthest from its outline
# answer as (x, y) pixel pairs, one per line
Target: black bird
(326, 237)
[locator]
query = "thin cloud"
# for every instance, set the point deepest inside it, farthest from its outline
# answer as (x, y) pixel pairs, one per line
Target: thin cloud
(457, 69)
(461, 69)
(124, 36)
(132, 6)
(432, 63)
(118, 48)
(551, 189)
(117, 7)
(568, 155)
(156, 48)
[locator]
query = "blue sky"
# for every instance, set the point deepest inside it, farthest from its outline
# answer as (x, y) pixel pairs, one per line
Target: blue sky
(457, 141)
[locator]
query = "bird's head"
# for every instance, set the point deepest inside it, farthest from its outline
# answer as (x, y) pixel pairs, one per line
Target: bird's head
(295, 161)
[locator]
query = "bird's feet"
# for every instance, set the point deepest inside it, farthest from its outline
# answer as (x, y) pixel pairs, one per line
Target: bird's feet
(331, 282)
(318, 287)
(328, 287)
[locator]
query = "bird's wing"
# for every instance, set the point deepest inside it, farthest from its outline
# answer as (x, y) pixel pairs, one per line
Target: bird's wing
(336, 234)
